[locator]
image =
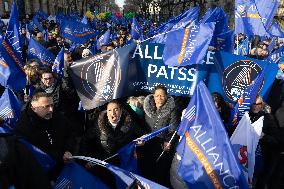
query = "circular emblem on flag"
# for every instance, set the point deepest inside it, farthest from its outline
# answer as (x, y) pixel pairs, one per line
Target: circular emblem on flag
(101, 77)
(238, 76)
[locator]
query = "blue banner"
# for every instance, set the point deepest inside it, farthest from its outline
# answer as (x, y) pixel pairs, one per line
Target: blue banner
(136, 29)
(207, 158)
(104, 39)
(58, 65)
(77, 32)
(189, 45)
(37, 51)
(267, 10)
(238, 72)
(275, 30)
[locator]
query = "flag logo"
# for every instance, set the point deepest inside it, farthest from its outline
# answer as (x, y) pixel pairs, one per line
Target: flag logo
(241, 11)
(238, 76)
(106, 73)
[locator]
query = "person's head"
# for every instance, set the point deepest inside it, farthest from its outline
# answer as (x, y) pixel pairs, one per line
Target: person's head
(67, 58)
(86, 53)
(257, 105)
(114, 111)
(121, 41)
(59, 40)
(39, 36)
(47, 77)
(24, 32)
(42, 105)
(160, 95)
(218, 100)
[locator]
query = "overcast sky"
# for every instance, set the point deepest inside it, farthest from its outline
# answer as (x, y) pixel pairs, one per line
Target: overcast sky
(119, 2)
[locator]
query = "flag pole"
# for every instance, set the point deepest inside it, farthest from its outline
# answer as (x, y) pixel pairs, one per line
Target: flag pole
(166, 146)
(237, 44)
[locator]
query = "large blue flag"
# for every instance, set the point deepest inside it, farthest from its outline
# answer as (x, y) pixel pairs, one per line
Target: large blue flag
(73, 176)
(37, 51)
(77, 32)
(248, 19)
(248, 98)
(58, 65)
(45, 160)
(225, 41)
(127, 177)
(10, 107)
(191, 16)
(104, 39)
(207, 158)
(267, 10)
(11, 51)
(41, 14)
(275, 30)
(237, 73)
(188, 45)
(136, 30)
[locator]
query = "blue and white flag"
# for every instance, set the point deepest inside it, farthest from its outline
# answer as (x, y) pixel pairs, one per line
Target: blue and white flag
(104, 39)
(10, 107)
(37, 51)
(77, 32)
(189, 45)
(248, 20)
(73, 176)
(191, 16)
(276, 31)
(267, 10)
(84, 20)
(11, 52)
(207, 157)
(243, 47)
(276, 56)
(248, 98)
(127, 177)
(136, 30)
(58, 65)
(244, 141)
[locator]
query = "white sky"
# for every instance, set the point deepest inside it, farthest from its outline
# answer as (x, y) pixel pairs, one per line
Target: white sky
(120, 2)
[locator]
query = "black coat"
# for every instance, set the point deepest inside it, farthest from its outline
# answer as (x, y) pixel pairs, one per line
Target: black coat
(52, 136)
(102, 140)
(156, 119)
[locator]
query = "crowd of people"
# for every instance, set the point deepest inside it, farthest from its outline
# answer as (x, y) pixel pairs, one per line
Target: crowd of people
(51, 121)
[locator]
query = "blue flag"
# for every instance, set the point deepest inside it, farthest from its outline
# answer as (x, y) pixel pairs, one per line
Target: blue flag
(73, 176)
(84, 20)
(237, 73)
(136, 30)
(276, 31)
(248, 19)
(35, 24)
(153, 134)
(46, 161)
(10, 107)
(37, 51)
(248, 97)
(11, 51)
(191, 16)
(58, 65)
(41, 14)
(77, 32)
(267, 10)
(276, 56)
(243, 47)
(207, 158)
(104, 39)
(225, 41)
(127, 177)
(127, 159)
(189, 45)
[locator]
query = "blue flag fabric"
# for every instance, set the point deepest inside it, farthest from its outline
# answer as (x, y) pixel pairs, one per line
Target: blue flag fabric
(207, 158)
(188, 46)
(41, 14)
(191, 16)
(46, 161)
(104, 39)
(58, 65)
(267, 10)
(276, 56)
(243, 47)
(248, 97)
(238, 72)
(11, 53)
(248, 19)
(225, 41)
(276, 31)
(73, 176)
(136, 30)
(35, 24)
(153, 134)
(37, 51)
(77, 32)
(84, 20)
(10, 107)
(127, 159)
(127, 177)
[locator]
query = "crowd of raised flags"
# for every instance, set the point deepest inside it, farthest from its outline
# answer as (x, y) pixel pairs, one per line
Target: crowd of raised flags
(209, 159)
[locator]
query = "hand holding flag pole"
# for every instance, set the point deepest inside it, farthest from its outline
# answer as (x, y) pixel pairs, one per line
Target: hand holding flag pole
(166, 147)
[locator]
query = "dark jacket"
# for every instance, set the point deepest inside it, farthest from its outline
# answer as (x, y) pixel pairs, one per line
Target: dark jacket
(52, 136)
(156, 119)
(102, 140)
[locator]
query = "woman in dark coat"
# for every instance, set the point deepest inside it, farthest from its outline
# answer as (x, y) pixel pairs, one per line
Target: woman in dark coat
(159, 112)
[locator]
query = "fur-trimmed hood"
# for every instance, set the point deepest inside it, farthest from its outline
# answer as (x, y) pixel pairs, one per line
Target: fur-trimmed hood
(151, 110)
